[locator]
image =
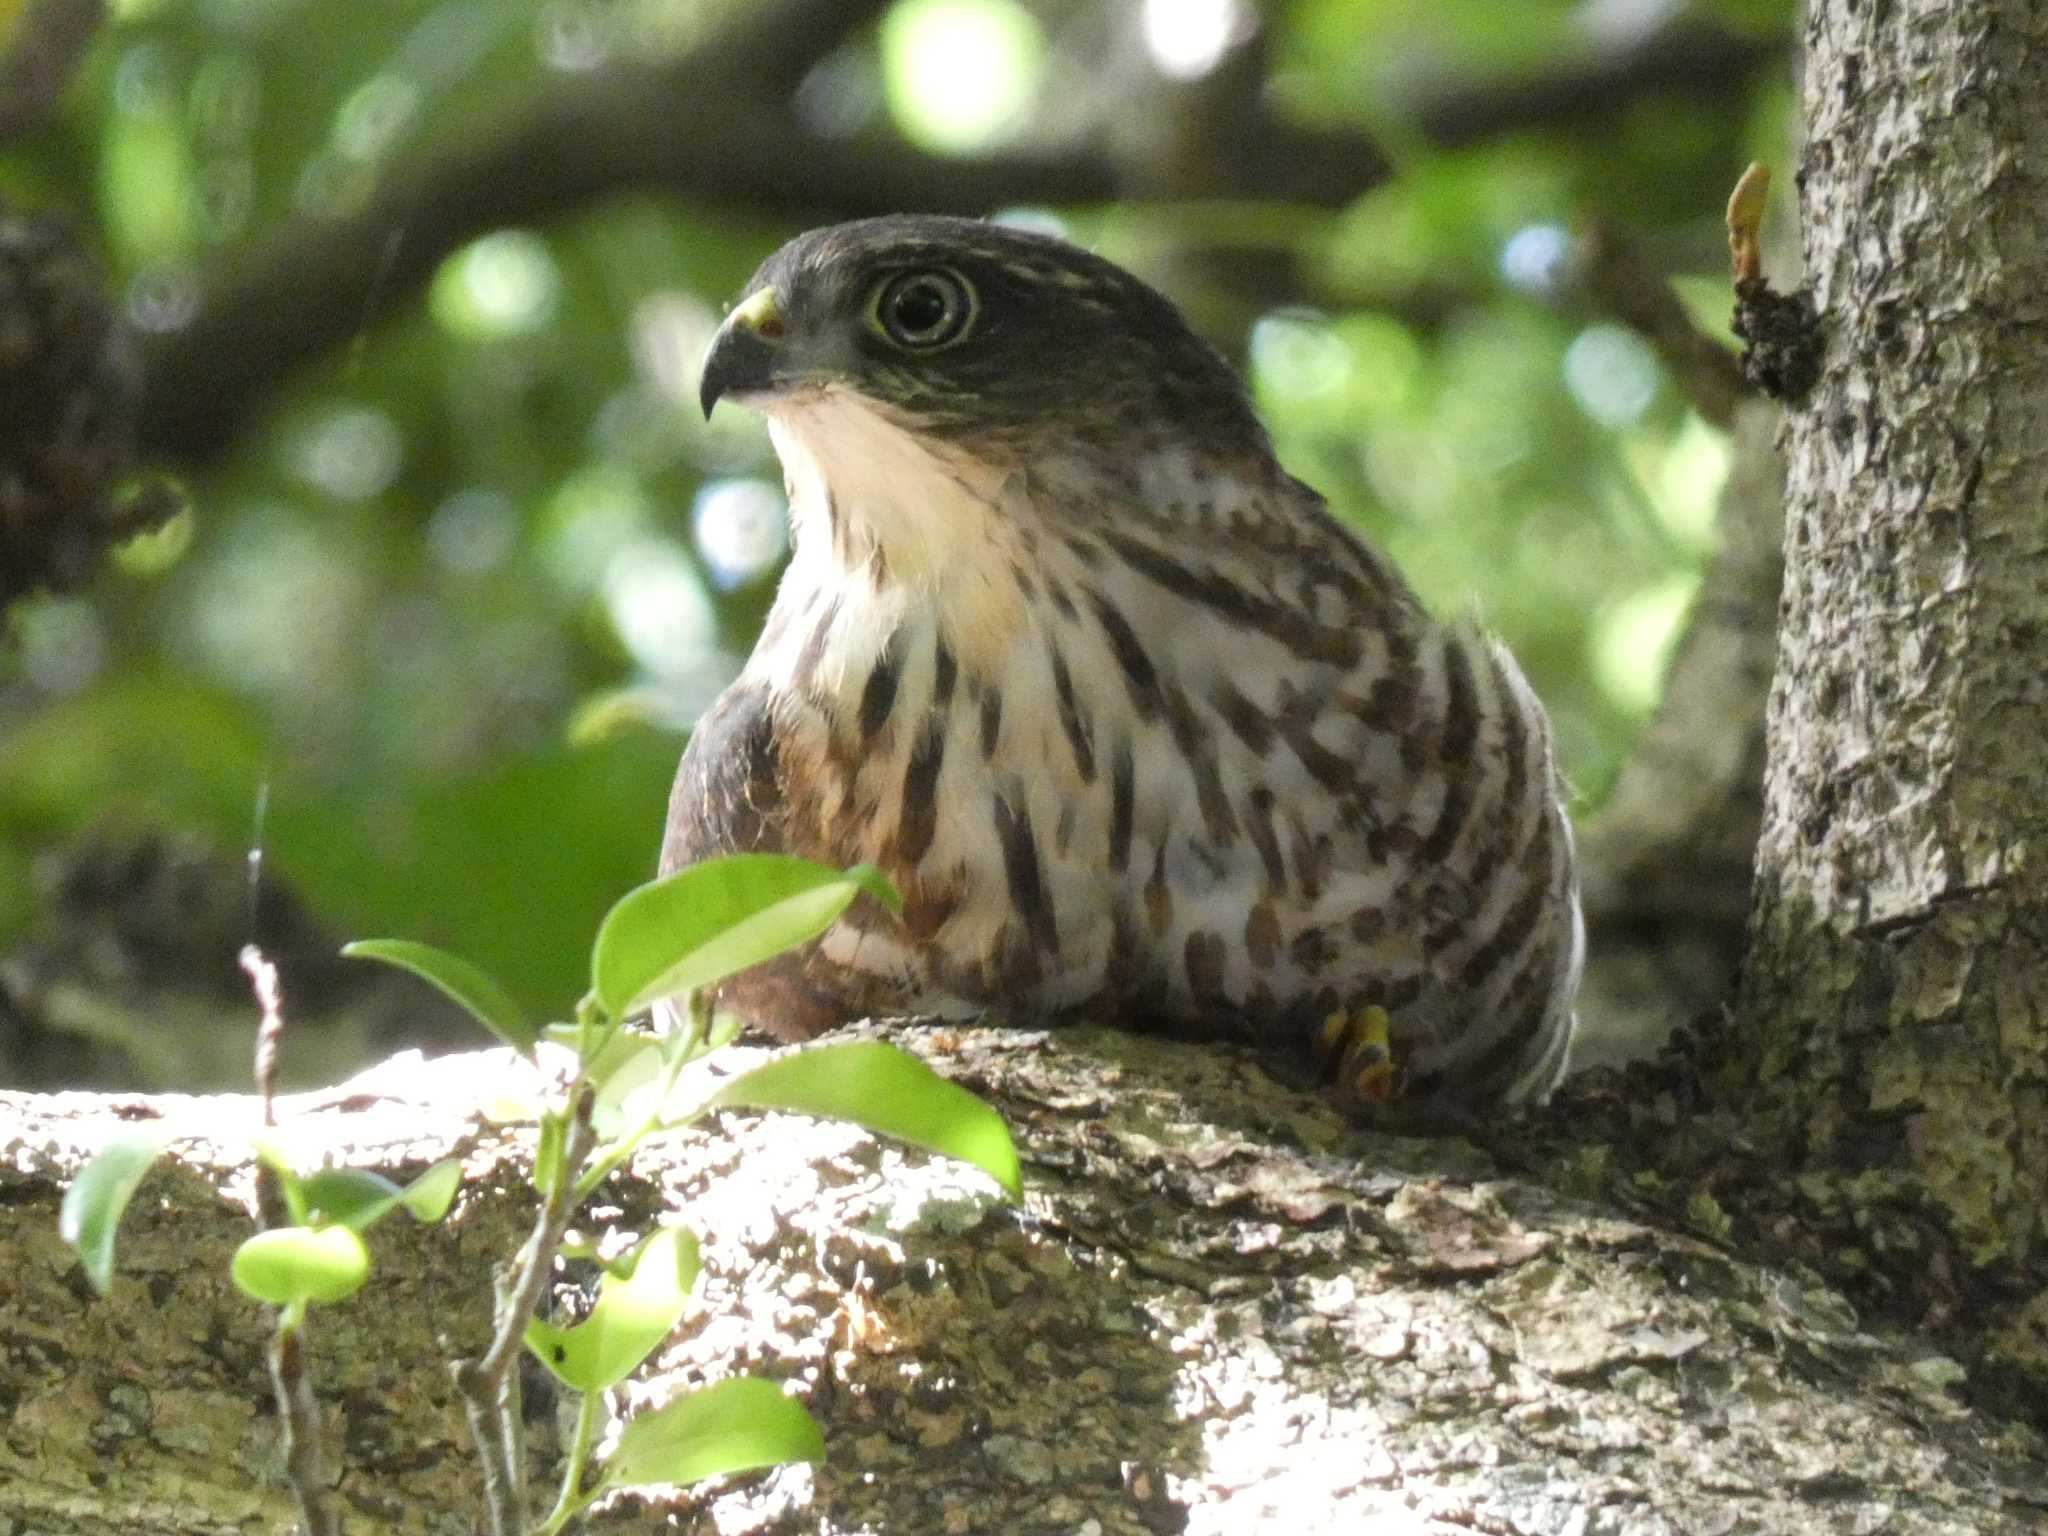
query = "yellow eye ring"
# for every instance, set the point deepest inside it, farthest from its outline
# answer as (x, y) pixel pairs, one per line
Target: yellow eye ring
(924, 309)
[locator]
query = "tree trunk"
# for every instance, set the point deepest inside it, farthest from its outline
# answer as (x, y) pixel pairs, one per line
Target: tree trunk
(1892, 1023)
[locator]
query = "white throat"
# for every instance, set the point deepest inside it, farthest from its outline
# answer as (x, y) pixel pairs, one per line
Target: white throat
(885, 518)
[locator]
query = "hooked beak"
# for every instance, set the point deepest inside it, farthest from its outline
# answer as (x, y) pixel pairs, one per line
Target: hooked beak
(741, 358)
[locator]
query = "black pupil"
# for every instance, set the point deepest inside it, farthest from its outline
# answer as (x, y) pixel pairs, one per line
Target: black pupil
(920, 307)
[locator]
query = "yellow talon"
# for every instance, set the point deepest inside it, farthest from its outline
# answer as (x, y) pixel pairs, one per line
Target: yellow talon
(1364, 1055)
(1375, 1084)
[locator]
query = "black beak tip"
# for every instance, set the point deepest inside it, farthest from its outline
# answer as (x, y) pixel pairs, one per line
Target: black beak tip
(737, 362)
(717, 375)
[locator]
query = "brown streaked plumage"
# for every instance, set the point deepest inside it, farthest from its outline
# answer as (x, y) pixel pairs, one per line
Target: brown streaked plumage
(1138, 729)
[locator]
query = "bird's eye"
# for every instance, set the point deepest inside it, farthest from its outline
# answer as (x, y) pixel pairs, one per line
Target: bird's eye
(923, 310)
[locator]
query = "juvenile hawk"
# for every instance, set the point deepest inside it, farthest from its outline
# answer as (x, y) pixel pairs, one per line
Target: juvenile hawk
(1135, 726)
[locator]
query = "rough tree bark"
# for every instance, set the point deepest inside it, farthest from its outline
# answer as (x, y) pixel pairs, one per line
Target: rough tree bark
(1891, 1043)
(1220, 1308)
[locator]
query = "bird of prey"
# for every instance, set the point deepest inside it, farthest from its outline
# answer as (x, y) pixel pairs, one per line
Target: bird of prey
(1140, 732)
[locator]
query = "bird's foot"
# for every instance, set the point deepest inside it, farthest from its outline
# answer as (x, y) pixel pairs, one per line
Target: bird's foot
(1355, 1049)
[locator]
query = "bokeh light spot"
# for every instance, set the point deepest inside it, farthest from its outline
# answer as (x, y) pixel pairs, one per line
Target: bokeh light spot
(671, 332)
(841, 95)
(154, 551)
(1685, 480)
(1037, 221)
(1389, 361)
(473, 530)
(225, 194)
(571, 36)
(143, 86)
(376, 116)
(1631, 642)
(163, 298)
(1188, 38)
(741, 528)
(1611, 373)
(958, 74)
(351, 453)
(274, 609)
(332, 185)
(226, 96)
(598, 508)
(1534, 258)
(505, 284)
(1296, 356)
(61, 643)
(658, 606)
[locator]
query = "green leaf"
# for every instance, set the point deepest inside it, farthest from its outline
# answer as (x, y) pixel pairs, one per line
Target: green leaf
(733, 1426)
(625, 1096)
(291, 1266)
(348, 1197)
(99, 1194)
(638, 1304)
(694, 1041)
(490, 1004)
(610, 1046)
(887, 1091)
(429, 1195)
(706, 922)
(356, 1197)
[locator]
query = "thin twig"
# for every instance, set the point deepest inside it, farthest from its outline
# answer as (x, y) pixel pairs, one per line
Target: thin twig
(1622, 281)
(298, 1412)
(269, 1030)
(485, 1384)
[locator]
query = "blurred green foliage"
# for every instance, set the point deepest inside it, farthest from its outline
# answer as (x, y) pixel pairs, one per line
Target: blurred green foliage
(453, 600)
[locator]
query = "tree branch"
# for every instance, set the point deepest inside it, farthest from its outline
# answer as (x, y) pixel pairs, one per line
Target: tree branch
(49, 37)
(705, 128)
(68, 383)
(1628, 287)
(1222, 1307)
(776, 43)
(1687, 58)
(712, 127)
(691, 131)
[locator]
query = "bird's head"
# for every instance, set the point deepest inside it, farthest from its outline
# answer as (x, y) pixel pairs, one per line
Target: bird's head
(993, 338)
